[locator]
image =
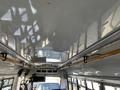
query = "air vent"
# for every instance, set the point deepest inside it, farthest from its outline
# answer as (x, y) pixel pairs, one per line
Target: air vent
(55, 71)
(38, 70)
(47, 71)
(43, 71)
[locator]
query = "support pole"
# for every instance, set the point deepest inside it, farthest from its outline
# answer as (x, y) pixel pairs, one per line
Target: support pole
(77, 84)
(102, 86)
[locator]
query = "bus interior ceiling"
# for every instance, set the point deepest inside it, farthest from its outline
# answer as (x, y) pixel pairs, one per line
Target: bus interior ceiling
(59, 45)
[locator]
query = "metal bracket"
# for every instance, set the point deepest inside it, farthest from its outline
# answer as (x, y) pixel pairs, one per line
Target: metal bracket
(4, 55)
(69, 64)
(85, 59)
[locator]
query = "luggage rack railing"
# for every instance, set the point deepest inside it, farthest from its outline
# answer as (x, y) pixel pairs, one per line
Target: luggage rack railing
(110, 38)
(6, 50)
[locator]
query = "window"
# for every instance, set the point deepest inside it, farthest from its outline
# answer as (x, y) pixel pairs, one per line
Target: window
(3, 38)
(43, 44)
(82, 88)
(79, 82)
(106, 28)
(74, 80)
(10, 81)
(70, 52)
(92, 34)
(7, 88)
(34, 11)
(75, 48)
(7, 84)
(40, 53)
(82, 42)
(83, 82)
(7, 16)
(38, 37)
(52, 60)
(69, 79)
(24, 40)
(17, 32)
(23, 14)
(89, 84)
(74, 87)
(31, 32)
(96, 86)
(47, 41)
(118, 88)
(45, 86)
(36, 27)
(49, 79)
(116, 18)
(70, 86)
(110, 21)
(11, 42)
(109, 87)
(0, 82)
